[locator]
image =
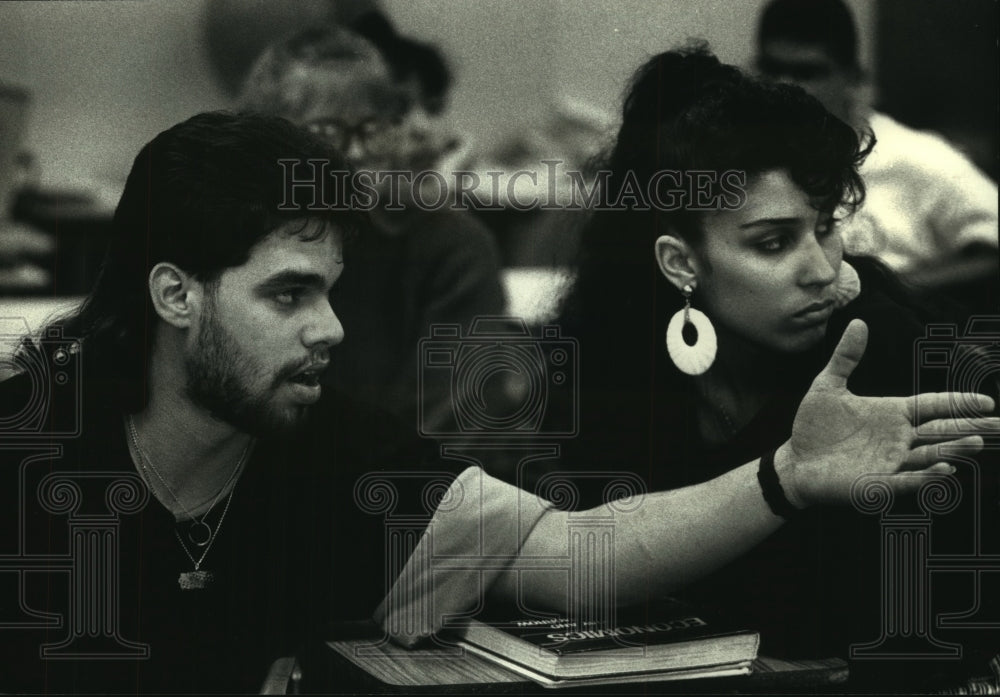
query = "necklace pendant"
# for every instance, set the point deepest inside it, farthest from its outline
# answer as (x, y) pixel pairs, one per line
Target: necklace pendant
(195, 580)
(200, 533)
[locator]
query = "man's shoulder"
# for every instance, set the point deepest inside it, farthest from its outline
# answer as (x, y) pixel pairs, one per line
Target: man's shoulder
(14, 382)
(898, 136)
(905, 149)
(19, 397)
(41, 396)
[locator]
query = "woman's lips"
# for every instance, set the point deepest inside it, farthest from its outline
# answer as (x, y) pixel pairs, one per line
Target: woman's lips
(815, 313)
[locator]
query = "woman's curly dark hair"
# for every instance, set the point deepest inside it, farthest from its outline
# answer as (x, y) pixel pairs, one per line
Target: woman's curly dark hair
(686, 111)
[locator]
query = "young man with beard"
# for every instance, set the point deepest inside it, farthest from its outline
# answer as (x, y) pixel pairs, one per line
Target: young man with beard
(183, 503)
(193, 372)
(180, 507)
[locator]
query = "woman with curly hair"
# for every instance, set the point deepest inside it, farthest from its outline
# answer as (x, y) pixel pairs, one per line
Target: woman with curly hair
(708, 297)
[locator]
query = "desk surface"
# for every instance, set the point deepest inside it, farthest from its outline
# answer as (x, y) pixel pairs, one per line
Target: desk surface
(451, 666)
(361, 661)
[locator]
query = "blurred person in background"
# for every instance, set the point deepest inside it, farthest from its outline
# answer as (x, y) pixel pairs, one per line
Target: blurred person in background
(421, 71)
(930, 214)
(421, 267)
(24, 249)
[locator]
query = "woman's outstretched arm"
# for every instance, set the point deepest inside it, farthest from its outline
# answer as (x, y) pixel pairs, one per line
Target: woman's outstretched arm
(675, 537)
(489, 539)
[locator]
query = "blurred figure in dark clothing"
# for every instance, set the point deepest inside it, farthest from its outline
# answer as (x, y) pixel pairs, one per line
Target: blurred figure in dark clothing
(413, 63)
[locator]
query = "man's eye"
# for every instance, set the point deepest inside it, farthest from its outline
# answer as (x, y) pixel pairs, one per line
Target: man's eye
(370, 128)
(288, 297)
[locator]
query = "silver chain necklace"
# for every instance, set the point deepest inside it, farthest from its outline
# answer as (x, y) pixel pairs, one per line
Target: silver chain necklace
(715, 407)
(726, 418)
(201, 533)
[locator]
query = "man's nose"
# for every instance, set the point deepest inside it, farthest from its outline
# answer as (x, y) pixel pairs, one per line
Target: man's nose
(419, 125)
(326, 329)
(355, 152)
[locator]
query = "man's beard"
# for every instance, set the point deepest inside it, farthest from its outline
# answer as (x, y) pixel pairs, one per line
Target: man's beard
(220, 378)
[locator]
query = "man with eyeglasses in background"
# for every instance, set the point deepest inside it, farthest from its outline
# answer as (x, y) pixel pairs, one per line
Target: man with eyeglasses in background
(423, 266)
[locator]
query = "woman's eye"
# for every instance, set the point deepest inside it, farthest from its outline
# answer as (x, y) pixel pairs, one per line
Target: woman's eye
(772, 244)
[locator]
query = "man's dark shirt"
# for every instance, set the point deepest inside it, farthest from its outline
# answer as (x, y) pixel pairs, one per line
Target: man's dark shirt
(302, 544)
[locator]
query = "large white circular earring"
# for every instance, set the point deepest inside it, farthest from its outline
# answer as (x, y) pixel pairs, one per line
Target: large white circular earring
(848, 285)
(692, 359)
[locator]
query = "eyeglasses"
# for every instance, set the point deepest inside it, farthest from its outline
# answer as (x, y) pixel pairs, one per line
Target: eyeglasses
(368, 134)
(794, 70)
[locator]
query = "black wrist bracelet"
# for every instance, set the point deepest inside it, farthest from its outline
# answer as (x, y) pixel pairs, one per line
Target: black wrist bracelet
(770, 486)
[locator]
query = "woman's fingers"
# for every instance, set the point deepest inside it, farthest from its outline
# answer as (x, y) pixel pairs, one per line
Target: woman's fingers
(909, 482)
(938, 429)
(850, 349)
(938, 405)
(929, 455)
(940, 468)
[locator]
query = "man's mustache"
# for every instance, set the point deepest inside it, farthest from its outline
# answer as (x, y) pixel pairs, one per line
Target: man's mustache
(318, 360)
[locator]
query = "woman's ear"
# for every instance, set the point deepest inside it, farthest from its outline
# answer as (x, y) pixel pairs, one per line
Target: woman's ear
(676, 261)
(175, 293)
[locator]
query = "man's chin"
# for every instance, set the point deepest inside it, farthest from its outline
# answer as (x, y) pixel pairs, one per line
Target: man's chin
(273, 423)
(293, 421)
(285, 422)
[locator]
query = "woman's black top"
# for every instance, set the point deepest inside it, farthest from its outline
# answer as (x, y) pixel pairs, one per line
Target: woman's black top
(814, 587)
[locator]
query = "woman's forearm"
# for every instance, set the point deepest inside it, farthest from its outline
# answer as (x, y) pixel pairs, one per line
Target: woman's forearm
(669, 539)
(660, 544)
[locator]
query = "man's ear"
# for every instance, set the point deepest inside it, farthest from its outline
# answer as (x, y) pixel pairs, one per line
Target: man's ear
(676, 260)
(177, 296)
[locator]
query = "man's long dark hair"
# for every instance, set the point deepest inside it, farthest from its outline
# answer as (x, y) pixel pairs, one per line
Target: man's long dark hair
(200, 195)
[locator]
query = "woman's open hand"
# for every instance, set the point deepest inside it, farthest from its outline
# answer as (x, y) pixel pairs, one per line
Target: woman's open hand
(838, 436)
